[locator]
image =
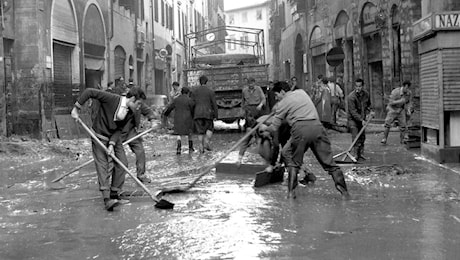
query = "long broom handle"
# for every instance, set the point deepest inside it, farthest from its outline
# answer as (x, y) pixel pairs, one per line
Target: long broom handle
(116, 159)
(361, 131)
(238, 143)
(92, 160)
(356, 138)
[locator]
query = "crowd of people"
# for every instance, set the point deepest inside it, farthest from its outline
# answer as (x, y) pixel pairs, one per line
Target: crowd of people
(297, 121)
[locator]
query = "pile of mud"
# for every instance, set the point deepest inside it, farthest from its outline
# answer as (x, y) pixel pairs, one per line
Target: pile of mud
(381, 175)
(32, 148)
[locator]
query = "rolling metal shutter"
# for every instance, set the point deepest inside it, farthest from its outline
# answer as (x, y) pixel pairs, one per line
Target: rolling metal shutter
(429, 78)
(62, 86)
(451, 79)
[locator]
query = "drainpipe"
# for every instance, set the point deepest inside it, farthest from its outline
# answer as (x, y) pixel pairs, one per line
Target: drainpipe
(109, 39)
(3, 91)
(153, 46)
(136, 7)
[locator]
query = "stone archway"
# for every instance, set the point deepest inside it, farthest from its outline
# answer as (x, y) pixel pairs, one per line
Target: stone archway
(94, 42)
(318, 53)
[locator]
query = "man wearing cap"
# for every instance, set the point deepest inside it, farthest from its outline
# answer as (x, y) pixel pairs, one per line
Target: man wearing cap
(253, 103)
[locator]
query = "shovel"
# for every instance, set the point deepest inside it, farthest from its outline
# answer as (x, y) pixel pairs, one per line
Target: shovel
(208, 168)
(161, 204)
(54, 185)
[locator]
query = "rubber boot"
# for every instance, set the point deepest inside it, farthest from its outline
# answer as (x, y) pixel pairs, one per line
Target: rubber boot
(339, 181)
(309, 178)
(360, 152)
(292, 181)
(385, 135)
(179, 147)
(402, 137)
(190, 146)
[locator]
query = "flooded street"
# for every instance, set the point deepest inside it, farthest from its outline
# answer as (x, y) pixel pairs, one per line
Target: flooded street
(409, 213)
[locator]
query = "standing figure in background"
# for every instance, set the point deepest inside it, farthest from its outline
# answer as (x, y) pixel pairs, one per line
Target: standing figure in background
(359, 105)
(294, 83)
(204, 113)
(336, 98)
(252, 102)
(321, 97)
(175, 91)
(183, 119)
(397, 108)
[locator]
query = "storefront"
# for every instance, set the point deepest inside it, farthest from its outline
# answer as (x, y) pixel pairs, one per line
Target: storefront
(439, 50)
(343, 37)
(317, 53)
(372, 43)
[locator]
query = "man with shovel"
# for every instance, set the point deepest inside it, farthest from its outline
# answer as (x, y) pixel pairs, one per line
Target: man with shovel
(298, 110)
(111, 119)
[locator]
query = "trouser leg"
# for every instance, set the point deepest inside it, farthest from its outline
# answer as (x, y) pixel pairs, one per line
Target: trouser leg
(385, 135)
(321, 148)
(102, 168)
(137, 147)
(118, 175)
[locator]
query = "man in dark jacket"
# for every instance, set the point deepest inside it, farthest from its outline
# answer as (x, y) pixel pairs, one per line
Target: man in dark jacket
(108, 126)
(204, 113)
(359, 105)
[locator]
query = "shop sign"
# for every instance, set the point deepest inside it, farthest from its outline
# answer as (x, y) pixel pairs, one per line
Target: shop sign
(423, 27)
(447, 21)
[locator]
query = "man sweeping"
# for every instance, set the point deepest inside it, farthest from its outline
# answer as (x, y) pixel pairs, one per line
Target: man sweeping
(298, 110)
(108, 125)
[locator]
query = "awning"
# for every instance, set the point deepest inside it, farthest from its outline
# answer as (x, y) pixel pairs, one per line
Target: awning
(94, 64)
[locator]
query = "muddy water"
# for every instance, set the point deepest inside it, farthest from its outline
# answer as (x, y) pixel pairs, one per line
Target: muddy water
(415, 215)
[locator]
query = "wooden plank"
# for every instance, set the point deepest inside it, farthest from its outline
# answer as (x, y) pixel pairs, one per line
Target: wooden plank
(232, 168)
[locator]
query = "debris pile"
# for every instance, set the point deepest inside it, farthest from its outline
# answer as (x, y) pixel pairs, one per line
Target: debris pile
(375, 175)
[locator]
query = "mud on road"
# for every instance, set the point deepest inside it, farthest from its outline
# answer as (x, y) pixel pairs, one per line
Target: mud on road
(402, 207)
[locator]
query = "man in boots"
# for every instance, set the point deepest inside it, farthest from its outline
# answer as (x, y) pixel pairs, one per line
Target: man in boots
(396, 110)
(111, 119)
(298, 110)
(358, 107)
(252, 102)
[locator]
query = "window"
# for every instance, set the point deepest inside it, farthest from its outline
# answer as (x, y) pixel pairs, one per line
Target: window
(231, 19)
(231, 42)
(162, 12)
(156, 11)
(244, 41)
(244, 17)
(259, 14)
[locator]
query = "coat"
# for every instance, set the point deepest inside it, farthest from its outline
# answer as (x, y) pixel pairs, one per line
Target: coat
(205, 103)
(183, 115)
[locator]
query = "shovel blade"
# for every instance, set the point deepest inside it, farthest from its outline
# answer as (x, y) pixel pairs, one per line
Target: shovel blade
(164, 204)
(263, 177)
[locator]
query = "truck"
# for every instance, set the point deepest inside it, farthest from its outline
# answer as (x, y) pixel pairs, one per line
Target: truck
(227, 72)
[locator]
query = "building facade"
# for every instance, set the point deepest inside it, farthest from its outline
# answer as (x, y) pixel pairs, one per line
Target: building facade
(255, 15)
(375, 36)
(50, 51)
(437, 35)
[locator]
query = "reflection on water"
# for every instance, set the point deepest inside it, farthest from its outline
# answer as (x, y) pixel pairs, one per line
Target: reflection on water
(219, 226)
